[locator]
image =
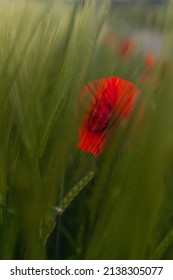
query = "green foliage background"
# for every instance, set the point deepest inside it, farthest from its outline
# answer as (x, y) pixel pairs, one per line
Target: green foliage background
(55, 200)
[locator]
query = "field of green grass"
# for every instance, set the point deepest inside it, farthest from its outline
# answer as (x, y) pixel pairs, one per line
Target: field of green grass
(58, 201)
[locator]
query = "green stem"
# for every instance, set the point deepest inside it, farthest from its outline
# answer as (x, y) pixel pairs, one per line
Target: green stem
(51, 222)
(163, 246)
(75, 191)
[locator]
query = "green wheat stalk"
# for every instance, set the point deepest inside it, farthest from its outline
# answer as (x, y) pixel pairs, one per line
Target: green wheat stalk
(164, 245)
(59, 210)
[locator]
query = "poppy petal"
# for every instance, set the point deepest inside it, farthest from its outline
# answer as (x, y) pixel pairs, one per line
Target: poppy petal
(110, 97)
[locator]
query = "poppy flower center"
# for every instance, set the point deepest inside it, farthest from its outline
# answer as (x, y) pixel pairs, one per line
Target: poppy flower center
(100, 115)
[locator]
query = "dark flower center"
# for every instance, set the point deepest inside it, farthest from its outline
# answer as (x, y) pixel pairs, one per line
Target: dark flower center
(100, 116)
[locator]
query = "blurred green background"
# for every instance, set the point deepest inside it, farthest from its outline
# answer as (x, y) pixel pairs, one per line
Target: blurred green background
(115, 206)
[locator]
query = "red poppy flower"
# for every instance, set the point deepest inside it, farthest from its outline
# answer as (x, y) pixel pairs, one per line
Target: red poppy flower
(145, 78)
(147, 75)
(112, 98)
(126, 48)
(150, 60)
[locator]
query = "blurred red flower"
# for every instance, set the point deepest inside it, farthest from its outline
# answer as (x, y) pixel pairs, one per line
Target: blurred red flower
(126, 48)
(150, 60)
(149, 63)
(112, 99)
(145, 77)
